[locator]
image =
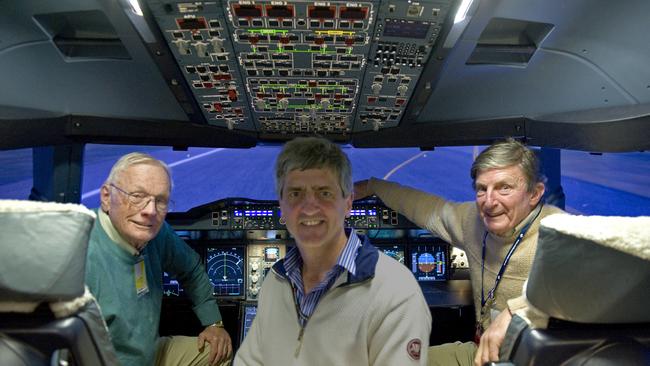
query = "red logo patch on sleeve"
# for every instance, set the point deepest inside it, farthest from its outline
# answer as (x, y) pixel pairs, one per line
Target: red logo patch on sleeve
(413, 348)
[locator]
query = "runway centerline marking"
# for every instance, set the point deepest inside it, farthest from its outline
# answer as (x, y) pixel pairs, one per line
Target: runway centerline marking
(403, 164)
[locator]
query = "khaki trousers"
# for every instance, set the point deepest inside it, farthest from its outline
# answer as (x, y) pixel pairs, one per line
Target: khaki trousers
(451, 354)
(182, 350)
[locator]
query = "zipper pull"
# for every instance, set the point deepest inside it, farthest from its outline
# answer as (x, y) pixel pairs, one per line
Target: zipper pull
(302, 330)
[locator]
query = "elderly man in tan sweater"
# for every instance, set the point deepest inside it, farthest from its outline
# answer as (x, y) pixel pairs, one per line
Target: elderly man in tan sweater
(498, 232)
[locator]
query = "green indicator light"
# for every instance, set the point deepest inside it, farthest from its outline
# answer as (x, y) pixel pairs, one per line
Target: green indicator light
(267, 31)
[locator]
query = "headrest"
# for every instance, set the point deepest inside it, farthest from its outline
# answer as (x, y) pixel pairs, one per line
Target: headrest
(592, 269)
(43, 248)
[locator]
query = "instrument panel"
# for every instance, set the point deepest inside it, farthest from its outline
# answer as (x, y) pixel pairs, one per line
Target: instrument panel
(297, 67)
(241, 239)
(247, 214)
(261, 257)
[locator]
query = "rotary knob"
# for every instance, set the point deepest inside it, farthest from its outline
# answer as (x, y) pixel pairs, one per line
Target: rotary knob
(259, 104)
(183, 46)
(217, 43)
(201, 49)
(376, 88)
(325, 103)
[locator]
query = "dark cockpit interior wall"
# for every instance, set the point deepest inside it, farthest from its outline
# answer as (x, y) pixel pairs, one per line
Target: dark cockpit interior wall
(234, 73)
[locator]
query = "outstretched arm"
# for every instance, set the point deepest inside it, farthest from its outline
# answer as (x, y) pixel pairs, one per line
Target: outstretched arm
(361, 189)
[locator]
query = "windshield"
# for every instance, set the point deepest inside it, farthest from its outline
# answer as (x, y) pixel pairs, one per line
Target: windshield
(608, 184)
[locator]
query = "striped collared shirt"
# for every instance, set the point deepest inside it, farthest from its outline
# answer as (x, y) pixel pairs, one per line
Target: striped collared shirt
(306, 303)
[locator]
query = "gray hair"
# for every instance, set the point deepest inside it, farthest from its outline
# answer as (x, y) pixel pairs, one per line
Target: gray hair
(136, 158)
(503, 154)
(304, 153)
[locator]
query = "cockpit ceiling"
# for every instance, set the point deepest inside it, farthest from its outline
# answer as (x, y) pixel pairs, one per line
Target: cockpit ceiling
(236, 73)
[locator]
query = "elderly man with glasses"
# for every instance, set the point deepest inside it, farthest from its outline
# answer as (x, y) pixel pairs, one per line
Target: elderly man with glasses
(130, 247)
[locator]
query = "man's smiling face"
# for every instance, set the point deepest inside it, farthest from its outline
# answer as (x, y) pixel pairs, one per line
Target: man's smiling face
(503, 200)
(314, 208)
(137, 225)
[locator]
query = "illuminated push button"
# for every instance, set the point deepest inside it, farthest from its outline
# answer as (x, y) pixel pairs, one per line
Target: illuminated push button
(232, 94)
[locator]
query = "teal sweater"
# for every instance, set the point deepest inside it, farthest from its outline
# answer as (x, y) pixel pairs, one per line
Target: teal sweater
(133, 321)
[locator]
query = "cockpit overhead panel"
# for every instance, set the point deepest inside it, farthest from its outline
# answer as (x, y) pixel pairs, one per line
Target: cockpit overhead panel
(299, 67)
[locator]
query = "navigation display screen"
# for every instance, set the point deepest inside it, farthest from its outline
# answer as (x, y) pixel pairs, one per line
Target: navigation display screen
(396, 252)
(250, 310)
(171, 287)
(225, 266)
(429, 261)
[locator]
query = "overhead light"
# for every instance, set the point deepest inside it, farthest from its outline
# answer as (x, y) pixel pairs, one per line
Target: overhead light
(462, 10)
(135, 7)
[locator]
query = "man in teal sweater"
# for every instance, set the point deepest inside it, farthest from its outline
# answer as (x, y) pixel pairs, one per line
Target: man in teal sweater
(130, 247)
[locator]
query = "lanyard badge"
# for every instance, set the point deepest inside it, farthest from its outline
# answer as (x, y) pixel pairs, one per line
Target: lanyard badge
(488, 302)
(140, 272)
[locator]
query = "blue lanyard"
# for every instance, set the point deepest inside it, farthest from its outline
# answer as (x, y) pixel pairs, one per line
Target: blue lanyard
(514, 246)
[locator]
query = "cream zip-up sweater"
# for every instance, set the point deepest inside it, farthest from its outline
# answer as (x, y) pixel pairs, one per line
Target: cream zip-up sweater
(372, 318)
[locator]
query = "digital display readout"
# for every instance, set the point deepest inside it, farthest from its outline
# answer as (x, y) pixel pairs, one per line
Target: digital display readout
(252, 213)
(407, 29)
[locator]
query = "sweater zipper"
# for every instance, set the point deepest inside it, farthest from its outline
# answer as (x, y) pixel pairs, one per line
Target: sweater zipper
(302, 331)
(295, 304)
(302, 328)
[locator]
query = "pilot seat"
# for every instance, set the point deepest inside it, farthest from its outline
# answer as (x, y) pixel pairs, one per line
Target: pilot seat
(588, 295)
(47, 315)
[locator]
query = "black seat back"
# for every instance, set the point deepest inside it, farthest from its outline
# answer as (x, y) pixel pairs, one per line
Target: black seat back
(591, 275)
(45, 310)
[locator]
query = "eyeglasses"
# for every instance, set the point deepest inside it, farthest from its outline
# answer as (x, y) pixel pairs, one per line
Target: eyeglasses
(140, 200)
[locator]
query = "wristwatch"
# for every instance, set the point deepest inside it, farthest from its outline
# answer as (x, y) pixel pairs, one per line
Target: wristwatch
(218, 324)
